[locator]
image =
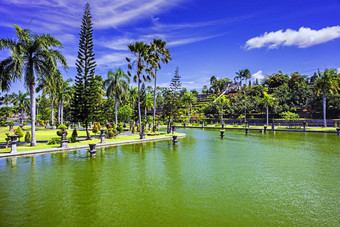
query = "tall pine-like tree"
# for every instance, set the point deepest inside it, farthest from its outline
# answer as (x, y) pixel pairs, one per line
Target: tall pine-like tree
(83, 103)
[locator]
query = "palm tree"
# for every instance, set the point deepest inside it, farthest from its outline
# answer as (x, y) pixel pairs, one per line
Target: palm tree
(32, 55)
(159, 53)
(141, 53)
(148, 104)
(116, 85)
(189, 99)
(49, 85)
(64, 93)
(267, 100)
(22, 102)
(327, 83)
(133, 96)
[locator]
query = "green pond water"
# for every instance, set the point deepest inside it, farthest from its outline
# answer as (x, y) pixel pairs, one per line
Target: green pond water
(261, 179)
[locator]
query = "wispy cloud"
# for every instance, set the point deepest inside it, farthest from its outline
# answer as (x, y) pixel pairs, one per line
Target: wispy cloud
(258, 75)
(178, 42)
(302, 38)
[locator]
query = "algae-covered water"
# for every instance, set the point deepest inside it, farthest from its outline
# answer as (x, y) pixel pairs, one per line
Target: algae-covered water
(261, 179)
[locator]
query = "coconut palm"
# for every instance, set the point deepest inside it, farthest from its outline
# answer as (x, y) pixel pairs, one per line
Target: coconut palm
(22, 102)
(159, 53)
(116, 85)
(50, 85)
(32, 56)
(141, 51)
(133, 96)
(189, 99)
(327, 83)
(267, 100)
(148, 103)
(64, 93)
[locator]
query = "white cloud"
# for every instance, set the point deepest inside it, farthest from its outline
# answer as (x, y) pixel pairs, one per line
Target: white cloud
(304, 37)
(258, 75)
(338, 69)
(113, 60)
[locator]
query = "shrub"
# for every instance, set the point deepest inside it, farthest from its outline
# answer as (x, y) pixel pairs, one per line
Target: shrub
(110, 134)
(28, 137)
(75, 133)
(217, 124)
(19, 133)
(133, 130)
(42, 123)
(62, 126)
(7, 139)
(72, 139)
(95, 129)
(53, 141)
(243, 125)
(10, 123)
(235, 125)
(154, 128)
(335, 125)
(60, 133)
(120, 127)
(108, 125)
(114, 128)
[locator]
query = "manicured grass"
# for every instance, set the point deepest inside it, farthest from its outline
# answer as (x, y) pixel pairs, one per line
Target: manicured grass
(27, 147)
(26, 128)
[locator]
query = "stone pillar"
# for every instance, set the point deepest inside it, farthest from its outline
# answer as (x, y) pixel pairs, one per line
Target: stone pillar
(168, 128)
(304, 125)
(273, 125)
(222, 134)
(63, 141)
(142, 135)
(222, 125)
(246, 124)
(92, 149)
(265, 128)
(14, 140)
(202, 124)
(247, 131)
(174, 140)
(78, 124)
(102, 135)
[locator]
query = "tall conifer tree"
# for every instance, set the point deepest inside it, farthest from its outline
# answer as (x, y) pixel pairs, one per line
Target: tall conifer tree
(83, 102)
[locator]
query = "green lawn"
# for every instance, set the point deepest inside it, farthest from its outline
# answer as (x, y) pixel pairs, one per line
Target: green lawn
(44, 135)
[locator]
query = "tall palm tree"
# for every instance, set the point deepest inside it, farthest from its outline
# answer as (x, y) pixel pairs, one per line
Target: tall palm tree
(141, 51)
(159, 53)
(22, 102)
(64, 93)
(267, 100)
(189, 99)
(116, 85)
(327, 83)
(148, 104)
(32, 56)
(49, 85)
(133, 96)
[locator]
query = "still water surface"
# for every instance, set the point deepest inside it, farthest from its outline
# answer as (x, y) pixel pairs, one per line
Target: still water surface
(260, 179)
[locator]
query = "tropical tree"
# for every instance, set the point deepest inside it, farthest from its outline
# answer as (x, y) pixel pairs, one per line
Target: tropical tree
(327, 83)
(267, 100)
(116, 85)
(49, 85)
(189, 99)
(159, 54)
(32, 56)
(148, 104)
(220, 103)
(22, 102)
(64, 94)
(141, 52)
(83, 104)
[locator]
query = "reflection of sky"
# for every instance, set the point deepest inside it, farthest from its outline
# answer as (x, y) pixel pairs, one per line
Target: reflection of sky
(204, 38)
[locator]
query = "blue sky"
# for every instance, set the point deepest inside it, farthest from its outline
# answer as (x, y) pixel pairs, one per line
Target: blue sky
(205, 38)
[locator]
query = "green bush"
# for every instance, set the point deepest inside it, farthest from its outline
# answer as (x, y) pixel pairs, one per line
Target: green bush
(60, 133)
(120, 127)
(111, 133)
(53, 141)
(95, 129)
(217, 124)
(235, 125)
(62, 126)
(10, 123)
(133, 130)
(72, 139)
(28, 137)
(75, 133)
(19, 133)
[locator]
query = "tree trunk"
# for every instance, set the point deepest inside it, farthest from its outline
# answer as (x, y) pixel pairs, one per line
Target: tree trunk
(22, 116)
(61, 112)
(188, 114)
(58, 112)
(32, 97)
(324, 109)
(87, 131)
(154, 99)
(145, 115)
(52, 112)
(139, 114)
(116, 111)
(267, 116)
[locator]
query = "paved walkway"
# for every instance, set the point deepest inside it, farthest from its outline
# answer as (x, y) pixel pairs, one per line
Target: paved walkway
(20, 153)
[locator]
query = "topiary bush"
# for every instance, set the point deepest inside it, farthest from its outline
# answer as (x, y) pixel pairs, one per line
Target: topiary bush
(19, 133)
(120, 127)
(28, 137)
(75, 133)
(53, 141)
